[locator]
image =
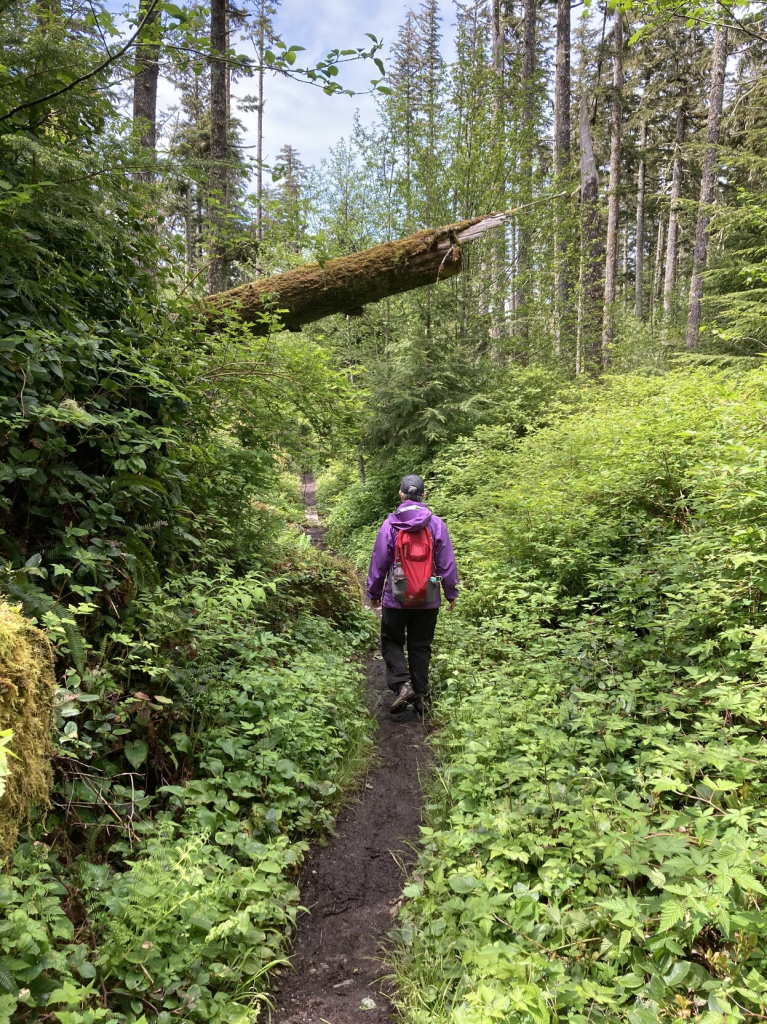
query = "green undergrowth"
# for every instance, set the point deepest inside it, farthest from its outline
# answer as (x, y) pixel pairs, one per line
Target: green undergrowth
(595, 846)
(193, 775)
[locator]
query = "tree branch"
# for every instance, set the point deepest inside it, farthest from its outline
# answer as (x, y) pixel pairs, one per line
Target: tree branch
(88, 75)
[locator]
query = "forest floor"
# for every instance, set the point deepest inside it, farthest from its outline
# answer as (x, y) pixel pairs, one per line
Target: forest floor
(351, 888)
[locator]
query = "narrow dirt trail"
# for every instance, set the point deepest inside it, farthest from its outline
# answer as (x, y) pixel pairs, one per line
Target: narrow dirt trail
(351, 886)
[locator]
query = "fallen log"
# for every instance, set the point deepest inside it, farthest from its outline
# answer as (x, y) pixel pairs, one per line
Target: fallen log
(348, 283)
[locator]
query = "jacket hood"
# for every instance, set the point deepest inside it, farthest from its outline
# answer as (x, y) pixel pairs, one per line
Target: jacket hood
(411, 516)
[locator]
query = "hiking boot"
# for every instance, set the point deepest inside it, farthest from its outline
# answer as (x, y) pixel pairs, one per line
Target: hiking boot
(422, 703)
(405, 696)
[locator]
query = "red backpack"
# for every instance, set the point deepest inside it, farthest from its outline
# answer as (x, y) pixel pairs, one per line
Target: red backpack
(413, 570)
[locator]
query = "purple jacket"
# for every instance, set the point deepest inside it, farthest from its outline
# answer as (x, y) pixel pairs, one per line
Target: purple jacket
(411, 516)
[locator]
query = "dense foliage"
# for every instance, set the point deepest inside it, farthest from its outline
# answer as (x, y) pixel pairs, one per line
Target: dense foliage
(208, 713)
(167, 879)
(594, 844)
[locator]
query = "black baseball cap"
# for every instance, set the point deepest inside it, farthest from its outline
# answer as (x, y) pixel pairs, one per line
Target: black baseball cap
(412, 485)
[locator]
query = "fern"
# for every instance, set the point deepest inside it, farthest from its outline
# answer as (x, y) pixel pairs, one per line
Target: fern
(133, 480)
(145, 572)
(7, 980)
(153, 527)
(94, 834)
(11, 546)
(36, 602)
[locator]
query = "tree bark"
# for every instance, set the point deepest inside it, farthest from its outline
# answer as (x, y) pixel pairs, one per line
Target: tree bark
(561, 163)
(346, 284)
(219, 148)
(639, 247)
(613, 203)
(658, 270)
(499, 253)
(145, 88)
(525, 240)
(672, 245)
(592, 252)
(260, 51)
(707, 186)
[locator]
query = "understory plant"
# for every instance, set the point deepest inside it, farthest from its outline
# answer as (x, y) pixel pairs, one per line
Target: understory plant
(595, 846)
(193, 775)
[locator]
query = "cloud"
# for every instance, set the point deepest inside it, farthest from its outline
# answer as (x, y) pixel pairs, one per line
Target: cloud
(304, 116)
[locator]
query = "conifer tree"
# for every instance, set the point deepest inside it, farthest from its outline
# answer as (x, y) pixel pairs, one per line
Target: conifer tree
(640, 223)
(707, 184)
(264, 34)
(562, 131)
(145, 81)
(219, 144)
(613, 207)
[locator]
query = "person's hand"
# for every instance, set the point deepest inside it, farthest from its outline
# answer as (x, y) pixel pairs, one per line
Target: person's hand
(375, 602)
(452, 603)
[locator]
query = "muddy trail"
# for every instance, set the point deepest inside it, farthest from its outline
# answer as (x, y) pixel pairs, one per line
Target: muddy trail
(351, 887)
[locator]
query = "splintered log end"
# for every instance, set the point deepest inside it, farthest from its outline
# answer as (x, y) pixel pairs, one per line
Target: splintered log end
(348, 283)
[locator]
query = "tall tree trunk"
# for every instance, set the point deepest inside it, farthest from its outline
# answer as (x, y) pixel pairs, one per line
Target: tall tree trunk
(672, 245)
(707, 186)
(561, 162)
(189, 228)
(658, 269)
(219, 148)
(613, 203)
(496, 43)
(524, 247)
(260, 50)
(260, 143)
(145, 86)
(625, 266)
(499, 254)
(639, 257)
(592, 252)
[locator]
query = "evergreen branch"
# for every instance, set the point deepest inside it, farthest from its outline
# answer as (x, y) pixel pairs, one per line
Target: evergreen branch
(89, 74)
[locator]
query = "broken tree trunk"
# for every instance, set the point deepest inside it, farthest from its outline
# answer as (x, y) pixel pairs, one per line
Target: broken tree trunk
(348, 283)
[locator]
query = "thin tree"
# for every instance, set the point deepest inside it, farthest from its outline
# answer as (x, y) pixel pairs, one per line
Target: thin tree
(428, 33)
(219, 147)
(529, 122)
(657, 278)
(404, 106)
(672, 244)
(264, 34)
(613, 202)
(561, 163)
(707, 186)
(499, 249)
(145, 86)
(592, 252)
(639, 245)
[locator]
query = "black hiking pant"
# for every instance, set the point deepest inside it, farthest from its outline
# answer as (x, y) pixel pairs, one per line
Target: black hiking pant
(416, 626)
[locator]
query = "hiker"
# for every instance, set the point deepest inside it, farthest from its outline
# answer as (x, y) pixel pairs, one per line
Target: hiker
(411, 557)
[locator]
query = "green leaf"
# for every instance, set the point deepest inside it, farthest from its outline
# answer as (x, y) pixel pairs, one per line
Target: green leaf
(670, 914)
(136, 752)
(677, 974)
(462, 883)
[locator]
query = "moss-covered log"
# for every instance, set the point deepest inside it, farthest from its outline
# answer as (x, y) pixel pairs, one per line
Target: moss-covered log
(348, 283)
(26, 700)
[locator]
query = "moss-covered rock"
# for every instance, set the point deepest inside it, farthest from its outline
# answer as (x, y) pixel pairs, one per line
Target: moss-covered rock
(26, 698)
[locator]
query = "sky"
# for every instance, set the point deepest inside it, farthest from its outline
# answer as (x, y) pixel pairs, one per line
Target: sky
(304, 116)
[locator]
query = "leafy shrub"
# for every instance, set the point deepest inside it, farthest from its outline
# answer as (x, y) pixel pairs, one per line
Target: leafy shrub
(594, 848)
(186, 811)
